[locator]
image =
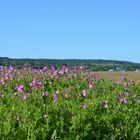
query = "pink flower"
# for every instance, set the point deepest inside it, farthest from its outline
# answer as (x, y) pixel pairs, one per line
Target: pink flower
(61, 72)
(55, 72)
(83, 93)
(45, 94)
(20, 88)
(90, 85)
(39, 83)
(81, 67)
(66, 70)
(57, 92)
(45, 68)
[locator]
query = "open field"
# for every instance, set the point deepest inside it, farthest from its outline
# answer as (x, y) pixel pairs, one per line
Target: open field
(67, 104)
(117, 76)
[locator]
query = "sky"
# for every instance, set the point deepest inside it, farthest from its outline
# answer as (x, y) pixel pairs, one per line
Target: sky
(67, 29)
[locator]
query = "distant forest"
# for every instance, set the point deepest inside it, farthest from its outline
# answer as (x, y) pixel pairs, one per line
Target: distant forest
(92, 65)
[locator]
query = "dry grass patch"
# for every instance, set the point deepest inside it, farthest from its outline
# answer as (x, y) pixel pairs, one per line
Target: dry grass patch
(117, 76)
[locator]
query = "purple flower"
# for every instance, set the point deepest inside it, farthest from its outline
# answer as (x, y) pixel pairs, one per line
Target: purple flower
(122, 100)
(83, 93)
(34, 70)
(1, 67)
(39, 83)
(11, 68)
(24, 96)
(2, 80)
(55, 72)
(66, 70)
(35, 83)
(45, 68)
(125, 101)
(55, 99)
(84, 106)
(52, 67)
(90, 85)
(45, 94)
(81, 67)
(65, 79)
(20, 88)
(105, 105)
(61, 72)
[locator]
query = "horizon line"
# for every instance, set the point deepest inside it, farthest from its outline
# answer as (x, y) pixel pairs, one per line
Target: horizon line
(72, 59)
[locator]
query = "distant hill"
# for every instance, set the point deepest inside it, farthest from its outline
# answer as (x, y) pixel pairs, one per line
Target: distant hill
(92, 64)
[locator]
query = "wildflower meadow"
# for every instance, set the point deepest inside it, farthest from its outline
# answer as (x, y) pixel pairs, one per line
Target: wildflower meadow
(67, 103)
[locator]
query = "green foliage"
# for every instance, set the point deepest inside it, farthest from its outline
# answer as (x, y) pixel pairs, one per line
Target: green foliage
(92, 65)
(29, 109)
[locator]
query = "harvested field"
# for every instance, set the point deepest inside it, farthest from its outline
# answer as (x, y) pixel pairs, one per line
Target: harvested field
(117, 76)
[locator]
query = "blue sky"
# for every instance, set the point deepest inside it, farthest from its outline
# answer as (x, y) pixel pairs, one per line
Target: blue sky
(84, 29)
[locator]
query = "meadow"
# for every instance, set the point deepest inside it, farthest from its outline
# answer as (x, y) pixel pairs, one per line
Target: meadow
(67, 103)
(118, 76)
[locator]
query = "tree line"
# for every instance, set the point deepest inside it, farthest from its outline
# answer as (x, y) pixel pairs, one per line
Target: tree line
(92, 65)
